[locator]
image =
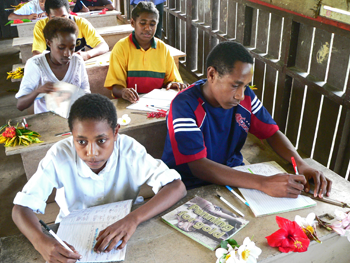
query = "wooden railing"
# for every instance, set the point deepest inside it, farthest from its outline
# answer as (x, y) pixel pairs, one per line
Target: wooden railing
(301, 67)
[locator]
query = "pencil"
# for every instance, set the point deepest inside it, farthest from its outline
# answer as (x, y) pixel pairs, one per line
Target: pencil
(55, 236)
(237, 195)
(226, 202)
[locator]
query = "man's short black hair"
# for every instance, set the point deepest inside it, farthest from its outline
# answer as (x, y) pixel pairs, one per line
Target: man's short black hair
(59, 25)
(144, 7)
(224, 56)
(55, 4)
(93, 107)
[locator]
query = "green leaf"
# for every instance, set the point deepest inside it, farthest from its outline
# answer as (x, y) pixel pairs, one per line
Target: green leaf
(18, 132)
(232, 242)
(3, 127)
(26, 20)
(9, 22)
(223, 244)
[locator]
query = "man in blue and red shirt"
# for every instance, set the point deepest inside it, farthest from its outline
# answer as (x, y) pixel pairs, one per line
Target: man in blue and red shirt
(208, 124)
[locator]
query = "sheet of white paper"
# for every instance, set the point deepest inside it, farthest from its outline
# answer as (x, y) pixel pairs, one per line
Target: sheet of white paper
(263, 204)
(159, 98)
(80, 229)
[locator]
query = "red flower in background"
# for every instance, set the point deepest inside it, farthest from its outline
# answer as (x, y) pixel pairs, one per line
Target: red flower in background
(290, 237)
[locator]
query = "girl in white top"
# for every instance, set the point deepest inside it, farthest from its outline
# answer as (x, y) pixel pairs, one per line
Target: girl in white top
(60, 64)
(31, 10)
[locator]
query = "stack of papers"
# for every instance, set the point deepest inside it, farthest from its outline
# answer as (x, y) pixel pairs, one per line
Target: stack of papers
(263, 204)
(154, 100)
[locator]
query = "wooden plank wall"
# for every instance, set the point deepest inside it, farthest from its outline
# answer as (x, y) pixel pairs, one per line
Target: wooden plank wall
(301, 67)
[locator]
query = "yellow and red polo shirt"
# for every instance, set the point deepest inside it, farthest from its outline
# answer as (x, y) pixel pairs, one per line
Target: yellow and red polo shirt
(150, 69)
(87, 35)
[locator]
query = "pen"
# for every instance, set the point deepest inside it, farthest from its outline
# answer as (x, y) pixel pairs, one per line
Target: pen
(25, 123)
(162, 108)
(237, 195)
(226, 202)
(63, 134)
(295, 166)
(55, 236)
(82, 3)
(136, 88)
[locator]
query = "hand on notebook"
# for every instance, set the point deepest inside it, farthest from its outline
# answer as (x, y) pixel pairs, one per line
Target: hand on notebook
(322, 184)
(283, 185)
(176, 85)
(120, 230)
(46, 88)
(130, 95)
(53, 251)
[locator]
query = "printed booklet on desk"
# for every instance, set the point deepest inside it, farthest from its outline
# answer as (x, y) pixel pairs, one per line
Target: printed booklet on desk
(81, 228)
(205, 222)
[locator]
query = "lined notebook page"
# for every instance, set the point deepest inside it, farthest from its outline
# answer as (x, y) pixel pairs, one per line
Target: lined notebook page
(263, 204)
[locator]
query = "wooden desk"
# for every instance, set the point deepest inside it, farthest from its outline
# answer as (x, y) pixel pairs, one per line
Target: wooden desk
(111, 34)
(108, 19)
(149, 132)
(154, 241)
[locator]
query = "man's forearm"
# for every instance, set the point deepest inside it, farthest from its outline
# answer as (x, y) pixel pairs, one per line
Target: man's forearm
(220, 174)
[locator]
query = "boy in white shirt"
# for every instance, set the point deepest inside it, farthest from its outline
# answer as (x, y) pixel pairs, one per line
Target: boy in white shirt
(95, 166)
(31, 10)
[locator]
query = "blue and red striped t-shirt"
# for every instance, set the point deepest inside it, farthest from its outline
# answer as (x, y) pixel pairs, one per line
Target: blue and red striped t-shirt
(198, 130)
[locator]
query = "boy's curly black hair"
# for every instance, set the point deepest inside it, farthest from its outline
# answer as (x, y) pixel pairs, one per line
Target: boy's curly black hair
(224, 55)
(144, 7)
(93, 107)
(59, 25)
(55, 4)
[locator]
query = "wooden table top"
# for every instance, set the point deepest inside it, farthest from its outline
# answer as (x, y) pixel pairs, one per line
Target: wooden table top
(48, 124)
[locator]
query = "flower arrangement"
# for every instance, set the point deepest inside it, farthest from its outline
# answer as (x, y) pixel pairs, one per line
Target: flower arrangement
(231, 252)
(14, 135)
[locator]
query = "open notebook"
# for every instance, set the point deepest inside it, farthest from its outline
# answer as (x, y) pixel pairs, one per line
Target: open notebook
(80, 229)
(156, 99)
(263, 204)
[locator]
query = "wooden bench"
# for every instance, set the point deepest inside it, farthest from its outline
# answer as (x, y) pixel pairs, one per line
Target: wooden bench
(108, 19)
(111, 34)
(97, 68)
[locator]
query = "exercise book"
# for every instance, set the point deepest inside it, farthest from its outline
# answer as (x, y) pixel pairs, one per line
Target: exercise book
(262, 204)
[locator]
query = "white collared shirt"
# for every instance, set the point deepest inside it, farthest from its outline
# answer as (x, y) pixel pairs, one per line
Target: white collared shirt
(128, 167)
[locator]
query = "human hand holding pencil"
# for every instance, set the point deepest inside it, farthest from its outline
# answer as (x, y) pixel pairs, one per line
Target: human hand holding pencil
(55, 250)
(130, 94)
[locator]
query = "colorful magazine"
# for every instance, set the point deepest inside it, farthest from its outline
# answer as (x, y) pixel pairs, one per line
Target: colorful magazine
(205, 222)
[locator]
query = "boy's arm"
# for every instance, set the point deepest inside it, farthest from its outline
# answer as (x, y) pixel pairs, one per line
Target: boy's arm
(124, 228)
(108, 6)
(96, 51)
(279, 185)
(48, 247)
(282, 146)
(13, 16)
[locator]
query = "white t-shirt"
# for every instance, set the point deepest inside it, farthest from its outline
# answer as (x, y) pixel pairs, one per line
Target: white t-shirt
(29, 8)
(37, 72)
(128, 167)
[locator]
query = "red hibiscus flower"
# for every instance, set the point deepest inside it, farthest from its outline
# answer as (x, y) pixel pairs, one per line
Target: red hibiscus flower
(290, 237)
